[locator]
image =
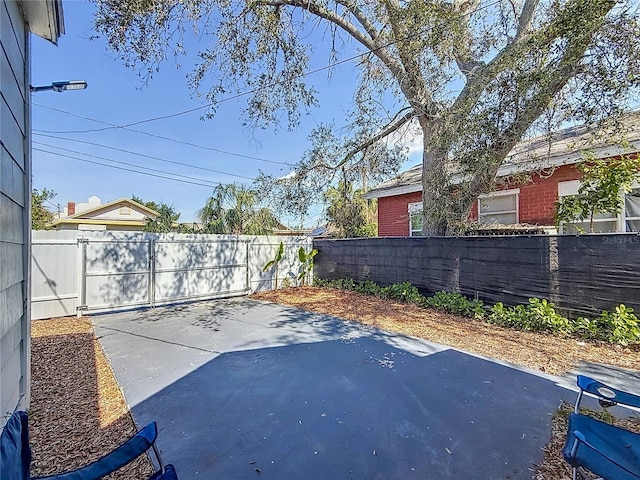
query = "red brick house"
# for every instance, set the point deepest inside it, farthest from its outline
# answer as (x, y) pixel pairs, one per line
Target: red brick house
(551, 171)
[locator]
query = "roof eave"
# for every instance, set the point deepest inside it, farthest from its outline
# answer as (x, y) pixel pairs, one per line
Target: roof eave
(45, 18)
(90, 221)
(393, 191)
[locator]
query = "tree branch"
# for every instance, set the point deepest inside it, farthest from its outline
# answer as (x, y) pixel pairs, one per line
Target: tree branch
(384, 132)
(371, 44)
(412, 83)
(362, 19)
(526, 18)
(568, 67)
(472, 91)
(467, 65)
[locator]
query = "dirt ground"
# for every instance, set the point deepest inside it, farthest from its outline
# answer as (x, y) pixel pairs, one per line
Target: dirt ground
(78, 412)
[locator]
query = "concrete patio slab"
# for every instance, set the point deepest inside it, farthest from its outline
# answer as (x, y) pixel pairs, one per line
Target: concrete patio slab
(244, 389)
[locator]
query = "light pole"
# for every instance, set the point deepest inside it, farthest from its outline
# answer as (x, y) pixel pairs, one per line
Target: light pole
(61, 86)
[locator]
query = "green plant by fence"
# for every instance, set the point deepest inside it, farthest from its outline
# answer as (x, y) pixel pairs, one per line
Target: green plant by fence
(620, 326)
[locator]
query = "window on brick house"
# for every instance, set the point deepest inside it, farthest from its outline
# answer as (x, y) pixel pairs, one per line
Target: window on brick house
(627, 221)
(499, 207)
(632, 210)
(415, 219)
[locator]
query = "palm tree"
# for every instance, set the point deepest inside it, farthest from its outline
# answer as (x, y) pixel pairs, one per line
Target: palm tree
(234, 209)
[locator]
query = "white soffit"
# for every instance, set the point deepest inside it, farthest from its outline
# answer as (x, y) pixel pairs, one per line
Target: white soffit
(44, 18)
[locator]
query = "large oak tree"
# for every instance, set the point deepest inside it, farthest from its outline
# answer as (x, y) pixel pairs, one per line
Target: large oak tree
(473, 76)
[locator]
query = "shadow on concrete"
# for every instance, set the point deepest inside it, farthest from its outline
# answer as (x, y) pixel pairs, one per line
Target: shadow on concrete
(298, 395)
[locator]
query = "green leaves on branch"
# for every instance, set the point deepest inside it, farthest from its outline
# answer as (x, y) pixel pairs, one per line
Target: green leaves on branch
(621, 326)
(603, 181)
(41, 216)
(348, 213)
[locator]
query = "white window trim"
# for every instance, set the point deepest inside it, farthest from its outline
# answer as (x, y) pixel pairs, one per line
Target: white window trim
(412, 209)
(623, 213)
(620, 219)
(500, 193)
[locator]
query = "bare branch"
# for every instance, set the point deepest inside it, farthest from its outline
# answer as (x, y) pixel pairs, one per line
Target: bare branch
(362, 19)
(526, 18)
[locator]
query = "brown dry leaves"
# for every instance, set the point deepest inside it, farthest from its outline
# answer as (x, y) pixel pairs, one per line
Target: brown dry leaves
(543, 352)
(77, 413)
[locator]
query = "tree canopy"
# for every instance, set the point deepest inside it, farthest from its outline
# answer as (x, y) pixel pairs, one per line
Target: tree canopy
(348, 213)
(41, 216)
(165, 222)
(234, 209)
(472, 76)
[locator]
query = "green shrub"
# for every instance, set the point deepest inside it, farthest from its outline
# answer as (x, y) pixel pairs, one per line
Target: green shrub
(620, 326)
(457, 304)
(405, 292)
(343, 284)
(368, 288)
(537, 316)
(588, 328)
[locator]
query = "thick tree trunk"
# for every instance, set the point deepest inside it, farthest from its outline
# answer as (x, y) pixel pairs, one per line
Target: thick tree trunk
(434, 179)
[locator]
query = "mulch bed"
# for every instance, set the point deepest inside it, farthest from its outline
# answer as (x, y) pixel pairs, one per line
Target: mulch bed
(77, 412)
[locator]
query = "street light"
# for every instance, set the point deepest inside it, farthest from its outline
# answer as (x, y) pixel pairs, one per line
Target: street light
(61, 86)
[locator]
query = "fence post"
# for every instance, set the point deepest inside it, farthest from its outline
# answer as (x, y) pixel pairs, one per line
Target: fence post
(247, 279)
(152, 273)
(82, 275)
(554, 281)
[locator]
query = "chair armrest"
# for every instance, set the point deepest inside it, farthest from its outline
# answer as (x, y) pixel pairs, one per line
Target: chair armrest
(124, 454)
(600, 390)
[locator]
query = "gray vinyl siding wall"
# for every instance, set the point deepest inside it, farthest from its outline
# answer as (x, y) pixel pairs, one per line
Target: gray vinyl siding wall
(15, 219)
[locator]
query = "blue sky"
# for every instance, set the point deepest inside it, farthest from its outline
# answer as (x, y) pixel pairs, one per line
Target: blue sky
(117, 96)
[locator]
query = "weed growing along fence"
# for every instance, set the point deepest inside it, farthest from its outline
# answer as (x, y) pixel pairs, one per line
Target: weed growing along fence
(581, 275)
(620, 326)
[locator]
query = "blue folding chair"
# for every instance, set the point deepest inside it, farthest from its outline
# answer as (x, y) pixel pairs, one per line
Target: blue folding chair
(15, 455)
(611, 452)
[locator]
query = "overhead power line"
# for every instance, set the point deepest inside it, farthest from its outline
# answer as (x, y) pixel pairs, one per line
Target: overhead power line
(111, 126)
(143, 155)
(162, 137)
(208, 185)
(125, 163)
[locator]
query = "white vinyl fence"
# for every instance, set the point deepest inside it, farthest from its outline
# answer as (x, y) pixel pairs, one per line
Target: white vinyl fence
(83, 272)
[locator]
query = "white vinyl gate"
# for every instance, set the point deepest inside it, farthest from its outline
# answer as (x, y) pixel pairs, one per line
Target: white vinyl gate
(77, 274)
(127, 273)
